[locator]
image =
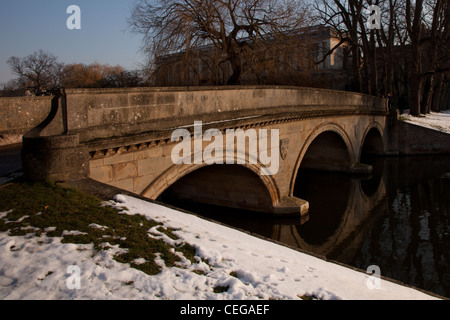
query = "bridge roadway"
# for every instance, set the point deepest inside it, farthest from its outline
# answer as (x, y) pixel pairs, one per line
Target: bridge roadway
(123, 138)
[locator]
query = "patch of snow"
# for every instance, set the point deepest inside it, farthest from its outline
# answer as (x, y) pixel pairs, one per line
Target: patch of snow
(19, 220)
(4, 214)
(97, 226)
(139, 261)
(119, 198)
(156, 234)
(247, 267)
(436, 121)
(73, 233)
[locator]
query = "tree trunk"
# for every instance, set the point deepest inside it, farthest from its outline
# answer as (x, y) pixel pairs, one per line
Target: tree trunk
(373, 65)
(414, 94)
(428, 93)
(235, 61)
(357, 81)
(236, 69)
(414, 30)
(415, 78)
(436, 103)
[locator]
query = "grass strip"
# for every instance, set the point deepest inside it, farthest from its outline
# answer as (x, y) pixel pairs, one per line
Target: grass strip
(80, 218)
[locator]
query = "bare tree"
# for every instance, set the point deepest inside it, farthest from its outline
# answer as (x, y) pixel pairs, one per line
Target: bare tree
(345, 17)
(408, 56)
(413, 13)
(436, 50)
(234, 27)
(38, 72)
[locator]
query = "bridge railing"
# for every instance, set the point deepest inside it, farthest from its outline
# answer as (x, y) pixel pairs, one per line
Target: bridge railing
(104, 113)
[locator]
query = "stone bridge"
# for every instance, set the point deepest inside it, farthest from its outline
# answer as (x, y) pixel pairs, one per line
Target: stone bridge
(125, 138)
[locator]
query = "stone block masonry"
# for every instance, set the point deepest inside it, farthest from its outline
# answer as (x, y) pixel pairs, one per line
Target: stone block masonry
(21, 114)
(106, 113)
(417, 140)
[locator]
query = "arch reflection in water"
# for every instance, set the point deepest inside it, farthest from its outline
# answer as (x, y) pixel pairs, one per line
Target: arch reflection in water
(337, 206)
(328, 195)
(338, 209)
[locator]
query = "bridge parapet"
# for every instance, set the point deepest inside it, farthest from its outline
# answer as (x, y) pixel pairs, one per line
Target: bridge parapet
(104, 113)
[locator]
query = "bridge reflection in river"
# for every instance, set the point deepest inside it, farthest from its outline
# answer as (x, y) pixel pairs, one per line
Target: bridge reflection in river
(397, 219)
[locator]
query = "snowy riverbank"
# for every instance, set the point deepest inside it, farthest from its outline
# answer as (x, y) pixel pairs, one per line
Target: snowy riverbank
(436, 121)
(248, 267)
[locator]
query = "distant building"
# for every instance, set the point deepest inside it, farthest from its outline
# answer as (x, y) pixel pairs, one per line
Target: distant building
(294, 64)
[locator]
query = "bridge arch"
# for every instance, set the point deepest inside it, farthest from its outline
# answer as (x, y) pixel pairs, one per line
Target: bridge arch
(233, 179)
(373, 140)
(372, 143)
(333, 136)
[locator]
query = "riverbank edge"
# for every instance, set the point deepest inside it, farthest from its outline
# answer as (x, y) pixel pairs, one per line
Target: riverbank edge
(106, 193)
(415, 140)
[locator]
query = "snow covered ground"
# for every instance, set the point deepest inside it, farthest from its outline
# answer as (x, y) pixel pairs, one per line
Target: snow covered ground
(249, 267)
(436, 121)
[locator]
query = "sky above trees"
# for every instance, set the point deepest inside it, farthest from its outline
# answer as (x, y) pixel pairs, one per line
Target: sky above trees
(28, 26)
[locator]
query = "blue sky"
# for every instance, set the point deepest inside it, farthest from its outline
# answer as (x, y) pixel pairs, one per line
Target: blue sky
(27, 26)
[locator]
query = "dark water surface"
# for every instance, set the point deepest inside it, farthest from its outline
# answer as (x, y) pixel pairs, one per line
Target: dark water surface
(397, 219)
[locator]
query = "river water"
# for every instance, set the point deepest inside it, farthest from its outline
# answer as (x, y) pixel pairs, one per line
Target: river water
(397, 219)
